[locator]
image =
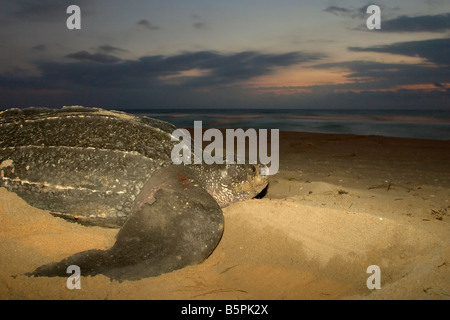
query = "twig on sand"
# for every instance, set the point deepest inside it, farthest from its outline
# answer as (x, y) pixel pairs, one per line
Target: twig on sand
(380, 186)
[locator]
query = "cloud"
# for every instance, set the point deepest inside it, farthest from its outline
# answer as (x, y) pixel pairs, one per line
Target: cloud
(360, 13)
(198, 22)
(40, 47)
(375, 84)
(215, 80)
(218, 69)
(232, 68)
(353, 13)
(147, 24)
(110, 49)
(373, 75)
(40, 9)
(49, 10)
(338, 11)
(426, 23)
(189, 79)
(103, 55)
(434, 50)
(151, 81)
(96, 57)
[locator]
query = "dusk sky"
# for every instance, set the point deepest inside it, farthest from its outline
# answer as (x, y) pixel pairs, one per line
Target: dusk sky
(225, 54)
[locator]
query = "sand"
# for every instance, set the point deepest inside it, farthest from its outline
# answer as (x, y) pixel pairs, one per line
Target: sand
(338, 205)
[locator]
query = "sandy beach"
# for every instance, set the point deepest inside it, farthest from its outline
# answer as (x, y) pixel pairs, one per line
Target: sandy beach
(339, 204)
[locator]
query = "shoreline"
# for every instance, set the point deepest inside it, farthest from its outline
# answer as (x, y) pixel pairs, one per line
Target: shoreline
(338, 204)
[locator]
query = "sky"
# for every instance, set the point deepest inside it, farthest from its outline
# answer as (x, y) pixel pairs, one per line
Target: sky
(225, 54)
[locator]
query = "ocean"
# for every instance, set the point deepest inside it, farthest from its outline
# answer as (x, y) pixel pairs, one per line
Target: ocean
(429, 124)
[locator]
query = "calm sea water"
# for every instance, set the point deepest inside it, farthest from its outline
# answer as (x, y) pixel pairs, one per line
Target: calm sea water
(428, 124)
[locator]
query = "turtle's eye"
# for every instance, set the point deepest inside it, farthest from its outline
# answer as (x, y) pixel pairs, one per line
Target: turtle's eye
(223, 173)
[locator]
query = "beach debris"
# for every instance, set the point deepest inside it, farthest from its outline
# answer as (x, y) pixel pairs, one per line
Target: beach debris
(388, 184)
(439, 214)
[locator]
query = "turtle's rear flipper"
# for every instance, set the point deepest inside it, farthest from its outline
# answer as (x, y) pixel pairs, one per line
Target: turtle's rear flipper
(179, 226)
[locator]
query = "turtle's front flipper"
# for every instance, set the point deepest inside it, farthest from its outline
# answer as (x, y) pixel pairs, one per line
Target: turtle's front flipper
(179, 225)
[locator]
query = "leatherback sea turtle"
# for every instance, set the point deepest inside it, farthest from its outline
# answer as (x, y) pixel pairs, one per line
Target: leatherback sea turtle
(113, 169)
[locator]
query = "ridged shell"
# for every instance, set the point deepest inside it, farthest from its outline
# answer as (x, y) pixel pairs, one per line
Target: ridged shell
(78, 160)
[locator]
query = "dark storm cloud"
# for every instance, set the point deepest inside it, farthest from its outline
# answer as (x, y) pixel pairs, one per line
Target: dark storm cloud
(434, 50)
(376, 75)
(102, 70)
(427, 23)
(144, 81)
(141, 83)
(225, 69)
(95, 57)
(147, 24)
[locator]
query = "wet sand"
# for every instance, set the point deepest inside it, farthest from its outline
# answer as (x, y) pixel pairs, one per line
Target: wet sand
(338, 204)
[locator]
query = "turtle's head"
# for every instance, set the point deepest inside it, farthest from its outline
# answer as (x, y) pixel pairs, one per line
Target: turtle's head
(229, 183)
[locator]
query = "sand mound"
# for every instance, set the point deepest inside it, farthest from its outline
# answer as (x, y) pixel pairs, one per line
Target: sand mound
(323, 221)
(271, 249)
